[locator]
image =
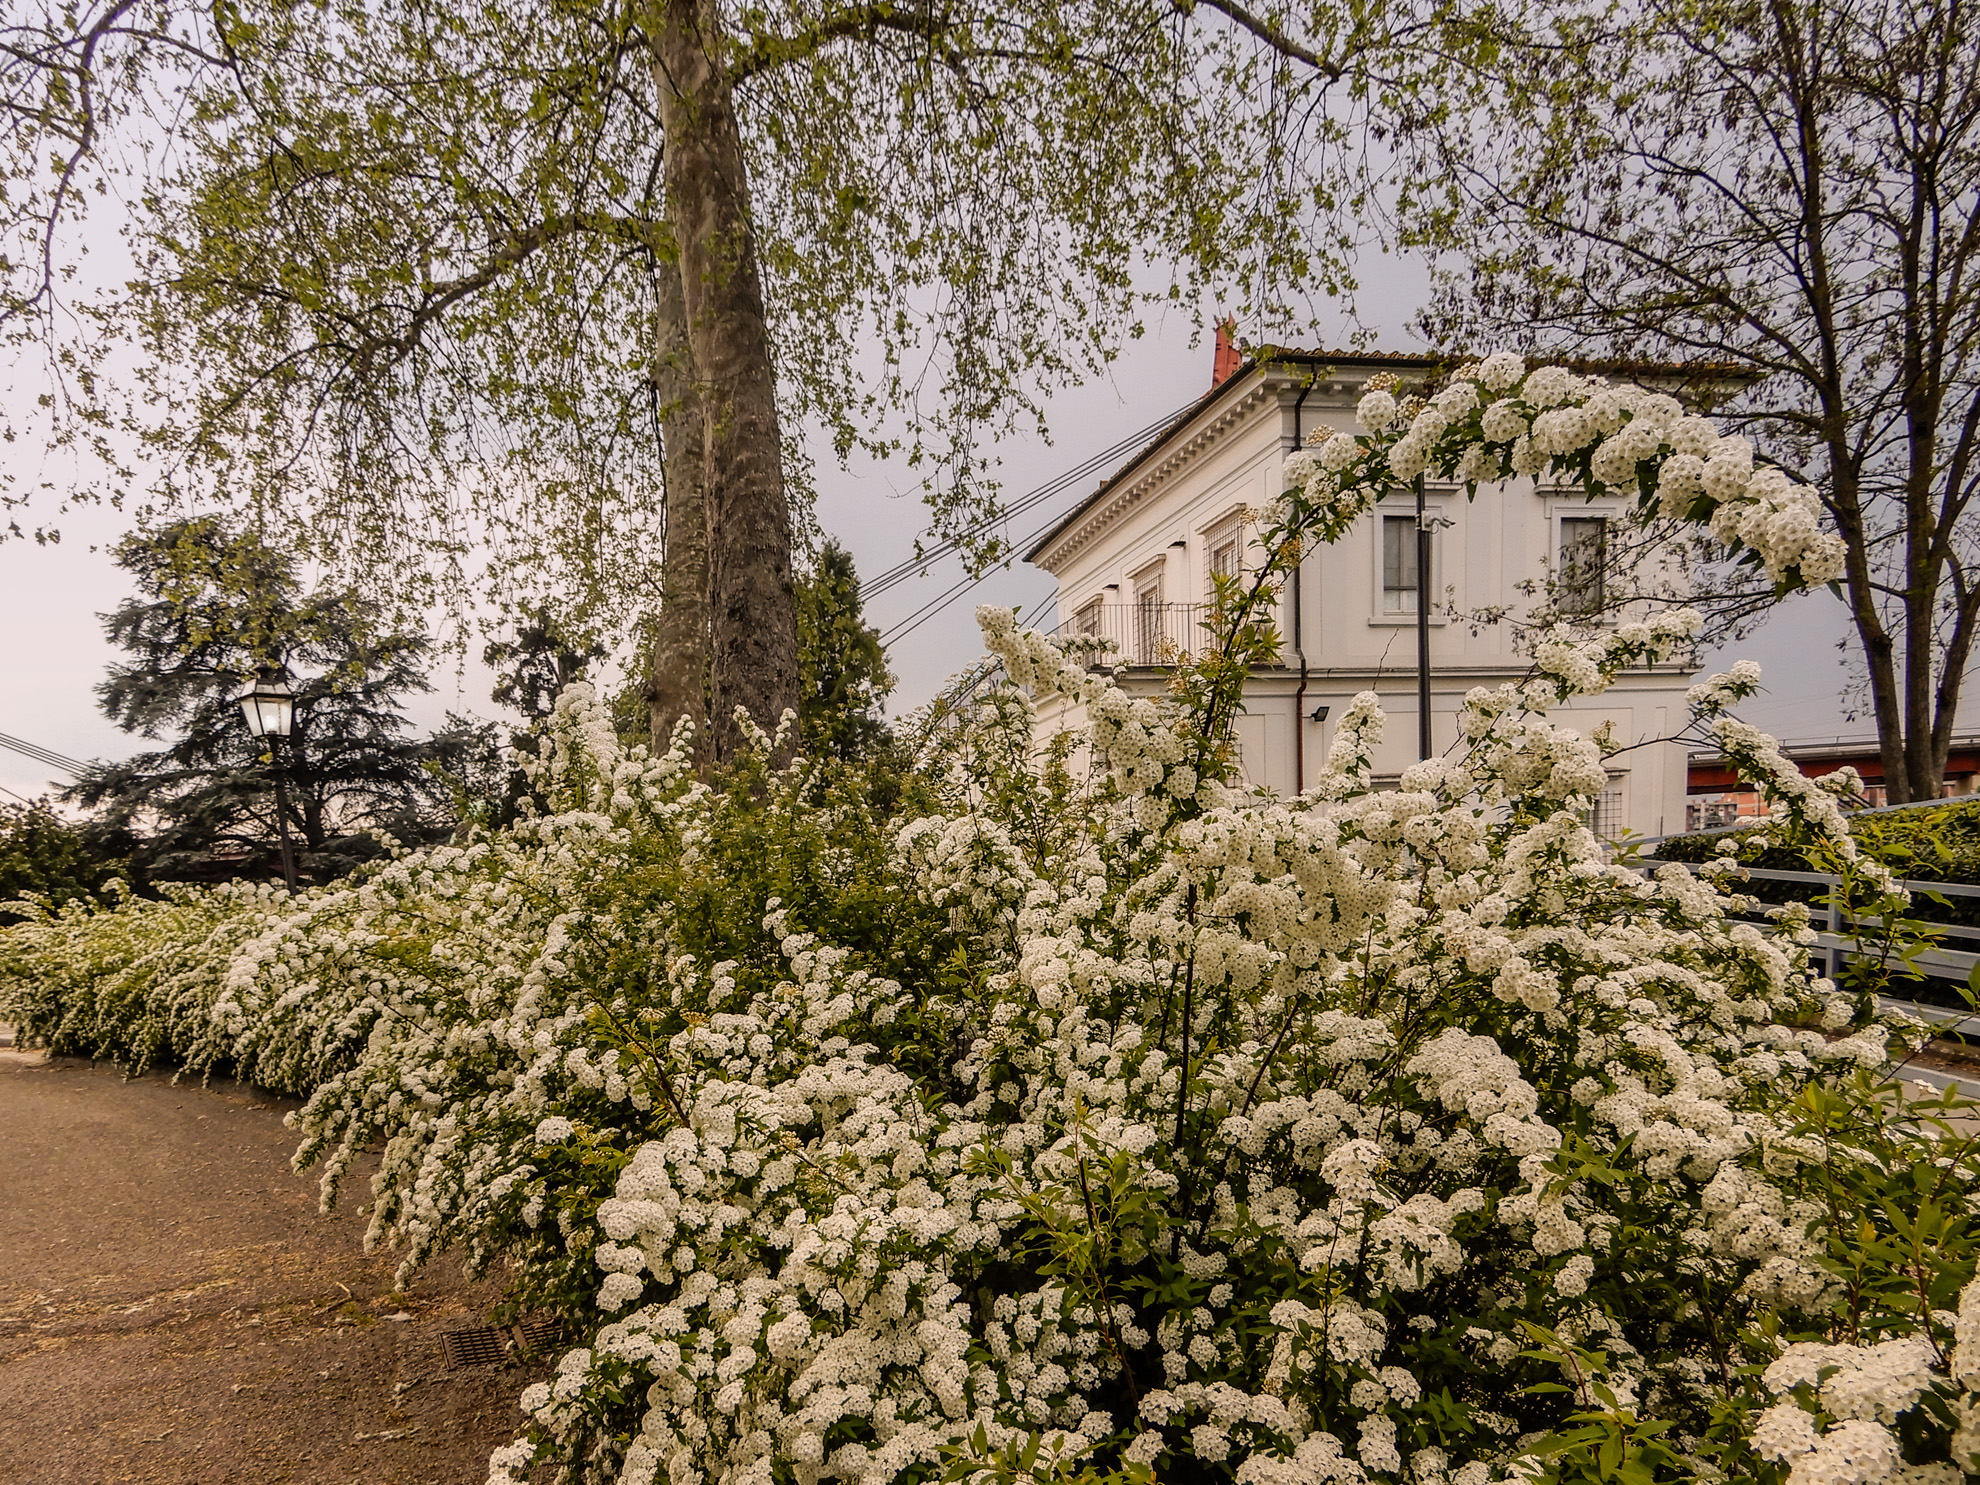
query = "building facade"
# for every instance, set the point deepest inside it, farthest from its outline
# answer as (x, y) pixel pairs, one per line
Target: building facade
(1134, 562)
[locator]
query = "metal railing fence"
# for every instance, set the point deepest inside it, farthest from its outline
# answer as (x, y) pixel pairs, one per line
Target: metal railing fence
(1141, 633)
(1838, 932)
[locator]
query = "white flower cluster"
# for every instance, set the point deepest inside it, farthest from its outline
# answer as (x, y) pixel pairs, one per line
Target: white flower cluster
(1781, 521)
(1496, 419)
(1129, 1122)
(1840, 1407)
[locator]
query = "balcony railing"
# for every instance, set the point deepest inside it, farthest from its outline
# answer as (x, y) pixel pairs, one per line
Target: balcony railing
(1139, 633)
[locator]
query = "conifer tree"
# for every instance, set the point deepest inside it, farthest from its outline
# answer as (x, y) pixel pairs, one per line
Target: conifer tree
(843, 676)
(214, 608)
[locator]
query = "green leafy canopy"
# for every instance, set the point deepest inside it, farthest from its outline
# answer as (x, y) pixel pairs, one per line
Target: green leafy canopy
(396, 273)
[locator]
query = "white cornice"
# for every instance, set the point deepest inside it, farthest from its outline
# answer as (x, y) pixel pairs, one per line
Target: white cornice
(1212, 426)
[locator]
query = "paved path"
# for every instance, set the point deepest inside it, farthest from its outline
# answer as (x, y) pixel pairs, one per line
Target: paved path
(1941, 1079)
(173, 1308)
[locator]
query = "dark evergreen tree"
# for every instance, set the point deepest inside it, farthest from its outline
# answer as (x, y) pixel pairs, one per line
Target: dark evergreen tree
(214, 608)
(537, 664)
(531, 670)
(843, 672)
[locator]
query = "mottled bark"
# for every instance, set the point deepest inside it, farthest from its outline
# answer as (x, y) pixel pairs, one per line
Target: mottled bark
(752, 615)
(677, 655)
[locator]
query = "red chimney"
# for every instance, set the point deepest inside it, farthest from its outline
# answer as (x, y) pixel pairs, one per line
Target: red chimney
(1228, 358)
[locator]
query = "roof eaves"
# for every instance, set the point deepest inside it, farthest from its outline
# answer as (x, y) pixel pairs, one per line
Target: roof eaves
(1258, 360)
(1266, 356)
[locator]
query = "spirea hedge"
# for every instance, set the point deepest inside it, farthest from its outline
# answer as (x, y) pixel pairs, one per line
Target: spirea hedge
(1122, 1124)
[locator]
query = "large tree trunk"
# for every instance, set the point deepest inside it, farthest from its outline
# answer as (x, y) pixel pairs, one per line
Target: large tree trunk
(1913, 709)
(752, 615)
(1879, 645)
(677, 657)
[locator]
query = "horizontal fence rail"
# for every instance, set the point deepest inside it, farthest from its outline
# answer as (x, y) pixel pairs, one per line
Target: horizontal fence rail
(1943, 1022)
(1840, 943)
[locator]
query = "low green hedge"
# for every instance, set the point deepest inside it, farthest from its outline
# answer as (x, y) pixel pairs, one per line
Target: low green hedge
(1933, 843)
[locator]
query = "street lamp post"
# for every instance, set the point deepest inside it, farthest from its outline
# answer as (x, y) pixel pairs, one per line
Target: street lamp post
(270, 708)
(1423, 534)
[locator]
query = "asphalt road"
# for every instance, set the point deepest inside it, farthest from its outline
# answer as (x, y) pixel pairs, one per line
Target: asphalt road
(173, 1307)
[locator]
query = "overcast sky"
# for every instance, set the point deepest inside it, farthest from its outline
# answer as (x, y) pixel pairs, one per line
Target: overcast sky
(52, 597)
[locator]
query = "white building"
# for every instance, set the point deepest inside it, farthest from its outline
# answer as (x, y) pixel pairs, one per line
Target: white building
(1134, 560)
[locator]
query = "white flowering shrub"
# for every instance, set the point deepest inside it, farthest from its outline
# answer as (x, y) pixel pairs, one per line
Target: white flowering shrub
(1496, 419)
(1121, 1126)
(134, 986)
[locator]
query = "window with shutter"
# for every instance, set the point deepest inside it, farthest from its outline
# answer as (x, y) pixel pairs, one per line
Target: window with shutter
(1225, 544)
(1584, 556)
(1148, 617)
(1399, 576)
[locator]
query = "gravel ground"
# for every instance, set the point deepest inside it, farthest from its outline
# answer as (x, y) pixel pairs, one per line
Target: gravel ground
(173, 1308)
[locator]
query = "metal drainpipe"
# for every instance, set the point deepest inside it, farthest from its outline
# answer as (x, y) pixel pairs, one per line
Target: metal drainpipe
(1298, 623)
(1423, 744)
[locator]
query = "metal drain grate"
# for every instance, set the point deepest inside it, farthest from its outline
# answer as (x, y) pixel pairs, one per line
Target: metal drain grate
(479, 1346)
(536, 1335)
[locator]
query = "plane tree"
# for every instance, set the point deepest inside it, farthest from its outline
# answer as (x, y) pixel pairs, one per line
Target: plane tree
(532, 301)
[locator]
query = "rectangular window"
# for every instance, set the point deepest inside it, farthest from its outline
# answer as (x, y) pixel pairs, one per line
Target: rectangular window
(1605, 814)
(1399, 575)
(1087, 620)
(1711, 814)
(1584, 557)
(1226, 547)
(1148, 617)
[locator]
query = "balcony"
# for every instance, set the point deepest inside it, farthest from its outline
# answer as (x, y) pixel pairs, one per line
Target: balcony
(1138, 633)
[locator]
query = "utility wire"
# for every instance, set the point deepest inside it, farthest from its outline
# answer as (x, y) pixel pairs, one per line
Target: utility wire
(914, 566)
(934, 606)
(929, 610)
(42, 755)
(898, 574)
(967, 683)
(902, 571)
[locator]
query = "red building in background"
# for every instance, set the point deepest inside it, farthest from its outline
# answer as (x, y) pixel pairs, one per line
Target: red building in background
(1715, 796)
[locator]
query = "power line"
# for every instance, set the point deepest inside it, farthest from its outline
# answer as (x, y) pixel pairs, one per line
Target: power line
(914, 566)
(967, 683)
(903, 628)
(42, 755)
(902, 571)
(929, 609)
(895, 575)
(935, 605)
